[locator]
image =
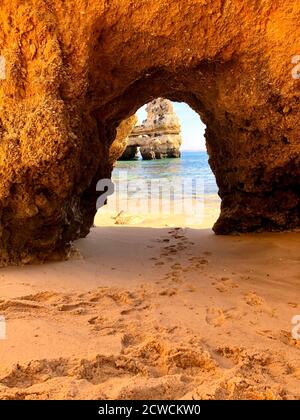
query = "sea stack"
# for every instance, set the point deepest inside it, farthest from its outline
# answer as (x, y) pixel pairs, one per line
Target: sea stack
(159, 136)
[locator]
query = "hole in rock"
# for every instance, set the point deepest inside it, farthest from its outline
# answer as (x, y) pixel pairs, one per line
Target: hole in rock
(163, 177)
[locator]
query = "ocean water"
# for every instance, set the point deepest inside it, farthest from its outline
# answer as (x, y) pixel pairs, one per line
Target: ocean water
(159, 193)
(191, 171)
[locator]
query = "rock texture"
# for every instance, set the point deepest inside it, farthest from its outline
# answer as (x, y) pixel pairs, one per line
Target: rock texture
(120, 143)
(159, 136)
(76, 69)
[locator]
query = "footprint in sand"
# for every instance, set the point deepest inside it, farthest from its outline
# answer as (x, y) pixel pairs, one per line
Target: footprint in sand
(235, 314)
(215, 317)
(175, 276)
(197, 262)
(43, 297)
(135, 309)
(254, 300)
(13, 306)
(129, 340)
(228, 356)
(286, 338)
(176, 267)
(169, 292)
(267, 333)
(78, 308)
(225, 285)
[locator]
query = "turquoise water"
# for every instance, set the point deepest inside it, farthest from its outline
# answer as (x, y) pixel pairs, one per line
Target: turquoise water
(191, 166)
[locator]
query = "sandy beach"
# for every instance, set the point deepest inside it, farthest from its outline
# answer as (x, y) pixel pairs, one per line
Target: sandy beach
(164, 313)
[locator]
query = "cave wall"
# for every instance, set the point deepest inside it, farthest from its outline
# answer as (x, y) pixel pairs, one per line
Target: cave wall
(76, 69)
(119, 145)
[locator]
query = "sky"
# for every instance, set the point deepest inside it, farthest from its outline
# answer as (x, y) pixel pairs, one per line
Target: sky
(192, 127)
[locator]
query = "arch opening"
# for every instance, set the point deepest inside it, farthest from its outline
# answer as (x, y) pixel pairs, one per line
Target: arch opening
(162, 177)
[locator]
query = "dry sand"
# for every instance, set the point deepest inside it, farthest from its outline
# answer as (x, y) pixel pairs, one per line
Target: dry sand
(143, 313)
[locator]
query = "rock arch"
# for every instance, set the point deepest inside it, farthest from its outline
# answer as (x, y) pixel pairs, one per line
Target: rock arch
(76, 69)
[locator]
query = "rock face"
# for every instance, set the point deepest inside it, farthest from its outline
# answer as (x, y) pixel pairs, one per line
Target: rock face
(159, 136)
(76, 69)
(119, 145)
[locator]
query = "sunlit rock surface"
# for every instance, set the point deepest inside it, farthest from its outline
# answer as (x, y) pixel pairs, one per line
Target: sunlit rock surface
(75, 70)
(159, 136)
(120, 143)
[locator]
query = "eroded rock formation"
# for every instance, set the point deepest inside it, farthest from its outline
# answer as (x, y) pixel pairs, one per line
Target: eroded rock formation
(120, 143)
(76, 69)
(159, 136)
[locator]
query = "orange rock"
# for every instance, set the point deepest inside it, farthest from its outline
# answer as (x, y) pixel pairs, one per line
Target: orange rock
(75, 70)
